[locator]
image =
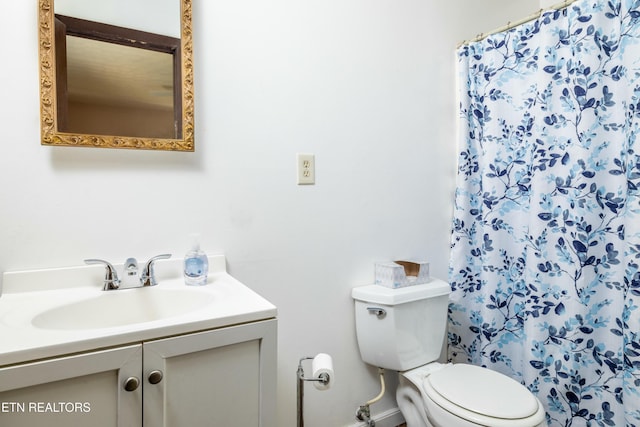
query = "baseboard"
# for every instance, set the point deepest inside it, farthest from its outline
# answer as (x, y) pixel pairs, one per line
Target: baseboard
(389, 418)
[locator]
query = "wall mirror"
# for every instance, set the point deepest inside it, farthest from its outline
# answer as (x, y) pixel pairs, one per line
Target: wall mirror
(116, 74)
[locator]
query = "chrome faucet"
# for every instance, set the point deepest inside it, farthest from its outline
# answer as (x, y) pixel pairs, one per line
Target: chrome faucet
(130, 273)
(148, 277)
(111, 280)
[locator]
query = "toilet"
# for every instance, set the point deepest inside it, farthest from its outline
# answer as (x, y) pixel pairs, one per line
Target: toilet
(402, 329)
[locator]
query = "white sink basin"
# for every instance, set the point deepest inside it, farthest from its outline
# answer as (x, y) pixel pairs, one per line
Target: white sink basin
(61, 311)
(123, 307)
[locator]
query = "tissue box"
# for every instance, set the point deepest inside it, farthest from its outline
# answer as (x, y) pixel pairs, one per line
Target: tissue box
(398, 274)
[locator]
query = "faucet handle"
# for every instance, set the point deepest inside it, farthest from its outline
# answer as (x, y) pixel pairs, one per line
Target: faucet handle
(148, 277)
(111, 280)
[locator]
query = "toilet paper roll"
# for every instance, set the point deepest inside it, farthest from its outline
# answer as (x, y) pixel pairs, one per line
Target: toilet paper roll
(322, 364)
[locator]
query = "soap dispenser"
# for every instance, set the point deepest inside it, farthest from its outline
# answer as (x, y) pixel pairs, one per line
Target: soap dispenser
(196, 264)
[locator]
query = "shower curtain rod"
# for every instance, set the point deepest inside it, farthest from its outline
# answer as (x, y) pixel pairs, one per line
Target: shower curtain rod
(510, 25)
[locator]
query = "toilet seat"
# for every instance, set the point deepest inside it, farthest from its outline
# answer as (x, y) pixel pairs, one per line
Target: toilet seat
(482, 396)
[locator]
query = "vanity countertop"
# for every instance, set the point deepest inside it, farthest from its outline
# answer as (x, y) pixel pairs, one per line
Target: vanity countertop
(28, 294)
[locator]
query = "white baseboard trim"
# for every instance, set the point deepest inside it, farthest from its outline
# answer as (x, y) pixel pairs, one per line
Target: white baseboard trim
(389, 418)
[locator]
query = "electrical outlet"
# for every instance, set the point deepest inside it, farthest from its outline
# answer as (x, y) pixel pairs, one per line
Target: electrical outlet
(306, 169)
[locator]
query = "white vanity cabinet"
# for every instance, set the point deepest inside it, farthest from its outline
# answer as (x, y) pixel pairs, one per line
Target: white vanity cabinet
(222, 377)
(225, 377)
(76, 390)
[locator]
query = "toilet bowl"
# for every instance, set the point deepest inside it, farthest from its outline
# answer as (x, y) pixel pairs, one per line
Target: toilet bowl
(461, 395)
(403, 329)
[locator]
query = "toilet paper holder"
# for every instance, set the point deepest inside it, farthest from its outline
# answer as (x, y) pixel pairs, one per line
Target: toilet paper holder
(322, 380)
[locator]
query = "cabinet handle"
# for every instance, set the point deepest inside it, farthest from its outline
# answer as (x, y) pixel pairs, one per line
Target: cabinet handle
(155, 377)
(131, 384)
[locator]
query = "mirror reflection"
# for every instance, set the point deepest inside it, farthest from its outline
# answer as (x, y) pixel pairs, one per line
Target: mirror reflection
(118, 81)
(114, 79)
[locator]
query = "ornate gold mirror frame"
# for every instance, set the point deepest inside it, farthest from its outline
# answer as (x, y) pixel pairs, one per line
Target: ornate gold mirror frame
(48, 96)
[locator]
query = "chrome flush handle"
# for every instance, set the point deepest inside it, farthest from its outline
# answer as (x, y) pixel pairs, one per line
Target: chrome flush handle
(378, 311)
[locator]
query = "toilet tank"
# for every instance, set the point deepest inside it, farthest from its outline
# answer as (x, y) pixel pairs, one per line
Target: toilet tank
(402, 328)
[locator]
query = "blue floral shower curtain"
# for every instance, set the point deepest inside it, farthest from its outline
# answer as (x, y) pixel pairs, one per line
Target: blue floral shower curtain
(546, 237)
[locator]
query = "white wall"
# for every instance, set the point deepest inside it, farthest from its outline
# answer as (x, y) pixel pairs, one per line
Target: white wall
(366, 85)
(548, 3)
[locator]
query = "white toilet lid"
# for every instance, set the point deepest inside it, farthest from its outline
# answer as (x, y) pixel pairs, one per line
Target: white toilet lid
(483, 391)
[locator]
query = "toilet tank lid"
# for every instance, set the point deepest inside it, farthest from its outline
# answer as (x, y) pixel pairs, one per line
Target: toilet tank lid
(392, 296)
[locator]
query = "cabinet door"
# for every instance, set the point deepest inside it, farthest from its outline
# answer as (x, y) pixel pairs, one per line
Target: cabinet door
(220, 378)
(79, 390)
